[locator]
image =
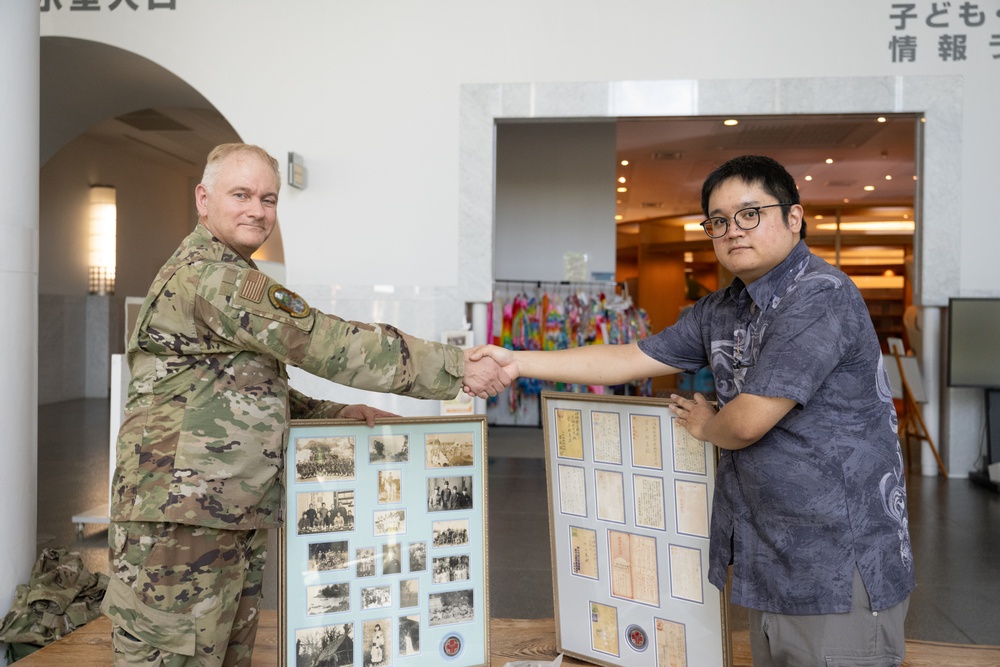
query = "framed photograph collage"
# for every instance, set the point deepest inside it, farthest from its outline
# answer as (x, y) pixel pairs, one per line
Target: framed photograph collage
(383, 554)
(630, 493)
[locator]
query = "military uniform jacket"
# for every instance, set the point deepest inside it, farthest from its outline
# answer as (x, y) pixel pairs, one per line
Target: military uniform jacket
(206, 421)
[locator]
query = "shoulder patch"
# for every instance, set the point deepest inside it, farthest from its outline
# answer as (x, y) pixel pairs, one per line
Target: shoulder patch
(253, 286)
(288, 301)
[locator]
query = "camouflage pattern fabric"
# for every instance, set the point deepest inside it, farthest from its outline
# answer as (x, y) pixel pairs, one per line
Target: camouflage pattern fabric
(184, 595)
(206, 424)
(60, 596)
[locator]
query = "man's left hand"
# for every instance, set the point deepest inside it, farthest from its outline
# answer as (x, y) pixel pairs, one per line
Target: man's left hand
(360, 411)
(692, 414)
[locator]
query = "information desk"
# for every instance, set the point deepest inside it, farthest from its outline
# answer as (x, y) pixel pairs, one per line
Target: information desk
(510, 639)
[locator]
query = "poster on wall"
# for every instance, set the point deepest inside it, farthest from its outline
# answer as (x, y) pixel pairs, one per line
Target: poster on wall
(384, 549)
(629, 498)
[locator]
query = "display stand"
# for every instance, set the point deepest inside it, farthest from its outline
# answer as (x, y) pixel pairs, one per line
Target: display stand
(100, 514)
(907, 385)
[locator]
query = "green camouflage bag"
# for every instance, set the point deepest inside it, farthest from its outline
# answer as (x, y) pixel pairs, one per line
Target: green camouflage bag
(60, 596)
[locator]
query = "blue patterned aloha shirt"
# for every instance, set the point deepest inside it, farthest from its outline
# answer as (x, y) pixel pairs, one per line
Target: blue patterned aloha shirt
(823, 491)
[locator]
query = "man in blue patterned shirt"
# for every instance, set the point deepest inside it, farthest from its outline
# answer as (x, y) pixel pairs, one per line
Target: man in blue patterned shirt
(810, 501)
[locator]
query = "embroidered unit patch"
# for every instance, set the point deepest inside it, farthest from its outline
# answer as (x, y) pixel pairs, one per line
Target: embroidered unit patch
(288, 301)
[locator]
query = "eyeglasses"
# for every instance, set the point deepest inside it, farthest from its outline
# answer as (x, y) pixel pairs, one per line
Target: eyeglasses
(746, 219)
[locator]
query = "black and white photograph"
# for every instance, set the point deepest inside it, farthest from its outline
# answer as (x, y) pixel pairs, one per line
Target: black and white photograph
(409, 593)
(409, 635)
(376, 643)
(376, 597)
(418, 556)
(390, 487)
(325, 511)
(328, 646)
(392, 562)
(449, 493)
(389, 448)
(451, 607)
(328, 599)
(450, 568)
(327, 556)
(449, 450)
(324, 459)
(450, 533)
(365, 562)
(390, 522)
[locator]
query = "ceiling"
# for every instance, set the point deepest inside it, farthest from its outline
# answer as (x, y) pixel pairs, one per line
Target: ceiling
(668, 159)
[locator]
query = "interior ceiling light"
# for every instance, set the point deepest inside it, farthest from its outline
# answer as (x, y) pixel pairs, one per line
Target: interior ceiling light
(880, 119)
(873, 226)
(829, 160)
(622, 189)
(869, 188)
(818, 217)
(888, 177)
(729, 122)
(624, 163)
(809, 178)
(621, 179)
(619, 217)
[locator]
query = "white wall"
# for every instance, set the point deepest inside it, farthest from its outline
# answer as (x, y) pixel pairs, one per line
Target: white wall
(553, 197)
(77, 332)
(372, 94)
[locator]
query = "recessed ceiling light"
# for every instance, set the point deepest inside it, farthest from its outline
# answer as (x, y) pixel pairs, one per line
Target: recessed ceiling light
(619, 217)
(829, 160)
(888, 177)
(881, 119)
(869, 188)
(809, 178)
(624, 163)
(622, 189)
(730, 122)
(621, 179)
(818, 217)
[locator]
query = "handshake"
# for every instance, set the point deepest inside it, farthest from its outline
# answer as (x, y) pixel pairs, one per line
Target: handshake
(488, 370)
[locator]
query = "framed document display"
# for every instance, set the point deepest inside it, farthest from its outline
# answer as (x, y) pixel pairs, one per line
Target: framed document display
(630, 493)
(383, 553)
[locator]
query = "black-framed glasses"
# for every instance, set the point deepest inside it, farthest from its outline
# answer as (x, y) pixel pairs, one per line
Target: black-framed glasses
(746, 219)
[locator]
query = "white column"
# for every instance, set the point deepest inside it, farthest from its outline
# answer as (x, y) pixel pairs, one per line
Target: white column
(19, 113)
(930, 325)
(480, 336)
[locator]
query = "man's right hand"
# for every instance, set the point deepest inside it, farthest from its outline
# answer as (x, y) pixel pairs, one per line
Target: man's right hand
(503, 357)
(483, 376)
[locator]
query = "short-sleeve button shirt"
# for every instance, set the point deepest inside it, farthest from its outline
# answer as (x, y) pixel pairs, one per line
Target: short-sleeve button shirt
(823, 491)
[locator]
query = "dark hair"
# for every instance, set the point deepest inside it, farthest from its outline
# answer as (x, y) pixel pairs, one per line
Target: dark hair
(756, 170)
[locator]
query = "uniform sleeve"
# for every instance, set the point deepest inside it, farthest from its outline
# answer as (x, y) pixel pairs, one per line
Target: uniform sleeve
(252, 311)
(304, 407)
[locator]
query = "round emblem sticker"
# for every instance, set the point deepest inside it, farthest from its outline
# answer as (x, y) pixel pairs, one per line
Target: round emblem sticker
(636, 637)
(451, 646)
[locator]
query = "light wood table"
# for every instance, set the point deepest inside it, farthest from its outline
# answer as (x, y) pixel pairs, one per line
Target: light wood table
(510, 639)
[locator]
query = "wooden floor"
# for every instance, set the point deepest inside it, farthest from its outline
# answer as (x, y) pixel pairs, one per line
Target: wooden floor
(510, 639)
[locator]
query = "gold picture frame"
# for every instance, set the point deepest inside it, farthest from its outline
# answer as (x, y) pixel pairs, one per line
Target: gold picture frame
(384, 553)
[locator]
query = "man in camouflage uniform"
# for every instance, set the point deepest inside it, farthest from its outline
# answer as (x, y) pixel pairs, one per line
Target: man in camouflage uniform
(201, 451)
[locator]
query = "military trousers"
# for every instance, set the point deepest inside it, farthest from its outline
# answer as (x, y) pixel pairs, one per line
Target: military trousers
(183, 596)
